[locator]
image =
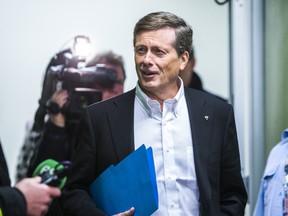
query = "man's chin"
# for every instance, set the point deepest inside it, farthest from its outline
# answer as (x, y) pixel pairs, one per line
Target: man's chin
(148, 86)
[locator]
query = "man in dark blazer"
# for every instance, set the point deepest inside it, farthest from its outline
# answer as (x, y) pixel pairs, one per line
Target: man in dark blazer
(192, 133)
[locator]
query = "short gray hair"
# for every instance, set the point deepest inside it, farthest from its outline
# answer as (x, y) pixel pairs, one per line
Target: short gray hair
(161, 20)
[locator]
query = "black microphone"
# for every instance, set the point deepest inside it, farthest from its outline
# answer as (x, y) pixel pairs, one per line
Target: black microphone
(53, 173)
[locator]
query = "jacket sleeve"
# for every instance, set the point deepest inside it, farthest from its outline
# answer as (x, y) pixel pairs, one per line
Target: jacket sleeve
(76, 200)
(233, 194)
(12, 202)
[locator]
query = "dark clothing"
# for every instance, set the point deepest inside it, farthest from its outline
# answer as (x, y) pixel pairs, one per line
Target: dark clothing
(12, 201)
(106, 136)
(53, 144)
(196, 83)
(4, 173)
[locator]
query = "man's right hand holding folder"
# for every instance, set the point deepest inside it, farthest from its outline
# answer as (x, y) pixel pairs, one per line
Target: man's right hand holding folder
(126, 213)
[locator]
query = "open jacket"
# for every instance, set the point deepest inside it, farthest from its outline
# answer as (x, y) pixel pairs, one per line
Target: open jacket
(106, 136)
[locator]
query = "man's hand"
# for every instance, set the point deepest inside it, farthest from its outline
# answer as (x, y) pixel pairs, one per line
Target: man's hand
(129, 212)
(38, 196)
(60, 97)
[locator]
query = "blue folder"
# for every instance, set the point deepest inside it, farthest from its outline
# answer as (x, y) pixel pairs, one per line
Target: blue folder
(131, 183)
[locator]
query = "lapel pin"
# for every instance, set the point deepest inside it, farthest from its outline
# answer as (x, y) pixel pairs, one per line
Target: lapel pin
(206, 117)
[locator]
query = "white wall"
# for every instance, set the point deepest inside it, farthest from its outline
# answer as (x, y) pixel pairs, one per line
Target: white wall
(31, 31)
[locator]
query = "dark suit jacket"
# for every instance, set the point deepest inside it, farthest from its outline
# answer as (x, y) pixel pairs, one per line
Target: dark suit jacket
(107, 136)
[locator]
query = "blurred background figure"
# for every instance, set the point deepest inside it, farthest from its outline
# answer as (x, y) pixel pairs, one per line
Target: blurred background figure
(70, 84)
(191, 78)
(273, 192)
(111, 61)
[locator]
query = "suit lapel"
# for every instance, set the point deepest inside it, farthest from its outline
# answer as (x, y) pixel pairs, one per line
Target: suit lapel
(121, 123)
(201, 119)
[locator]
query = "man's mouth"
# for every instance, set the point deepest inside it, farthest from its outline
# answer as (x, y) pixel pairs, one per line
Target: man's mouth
(149, 74)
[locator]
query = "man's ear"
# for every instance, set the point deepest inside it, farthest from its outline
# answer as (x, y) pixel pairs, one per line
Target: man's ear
(184, 60)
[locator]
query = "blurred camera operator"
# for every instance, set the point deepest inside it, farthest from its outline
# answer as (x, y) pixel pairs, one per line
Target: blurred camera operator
(55, 141)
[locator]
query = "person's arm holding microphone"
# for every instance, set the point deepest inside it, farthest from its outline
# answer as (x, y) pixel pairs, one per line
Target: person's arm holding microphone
(37, 196)
(27, 197)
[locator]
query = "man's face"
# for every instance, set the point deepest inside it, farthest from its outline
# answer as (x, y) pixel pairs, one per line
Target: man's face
(118, 87)
(157, 62)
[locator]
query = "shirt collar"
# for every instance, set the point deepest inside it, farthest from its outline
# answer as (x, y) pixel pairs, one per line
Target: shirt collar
(149, 104)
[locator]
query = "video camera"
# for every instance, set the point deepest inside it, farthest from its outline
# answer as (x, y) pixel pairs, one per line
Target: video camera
(84, 84)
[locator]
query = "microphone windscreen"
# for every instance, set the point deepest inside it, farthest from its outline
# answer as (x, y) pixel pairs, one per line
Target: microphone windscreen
(45, 166)
(48, 167)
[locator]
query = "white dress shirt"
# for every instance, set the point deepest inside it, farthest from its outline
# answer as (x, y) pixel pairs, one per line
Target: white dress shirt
(168, 132)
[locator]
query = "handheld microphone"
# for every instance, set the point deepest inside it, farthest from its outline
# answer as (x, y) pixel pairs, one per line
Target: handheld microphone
(53, 173)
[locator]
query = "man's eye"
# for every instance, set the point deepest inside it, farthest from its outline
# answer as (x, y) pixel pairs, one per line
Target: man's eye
(140, 50)
(159, 52)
